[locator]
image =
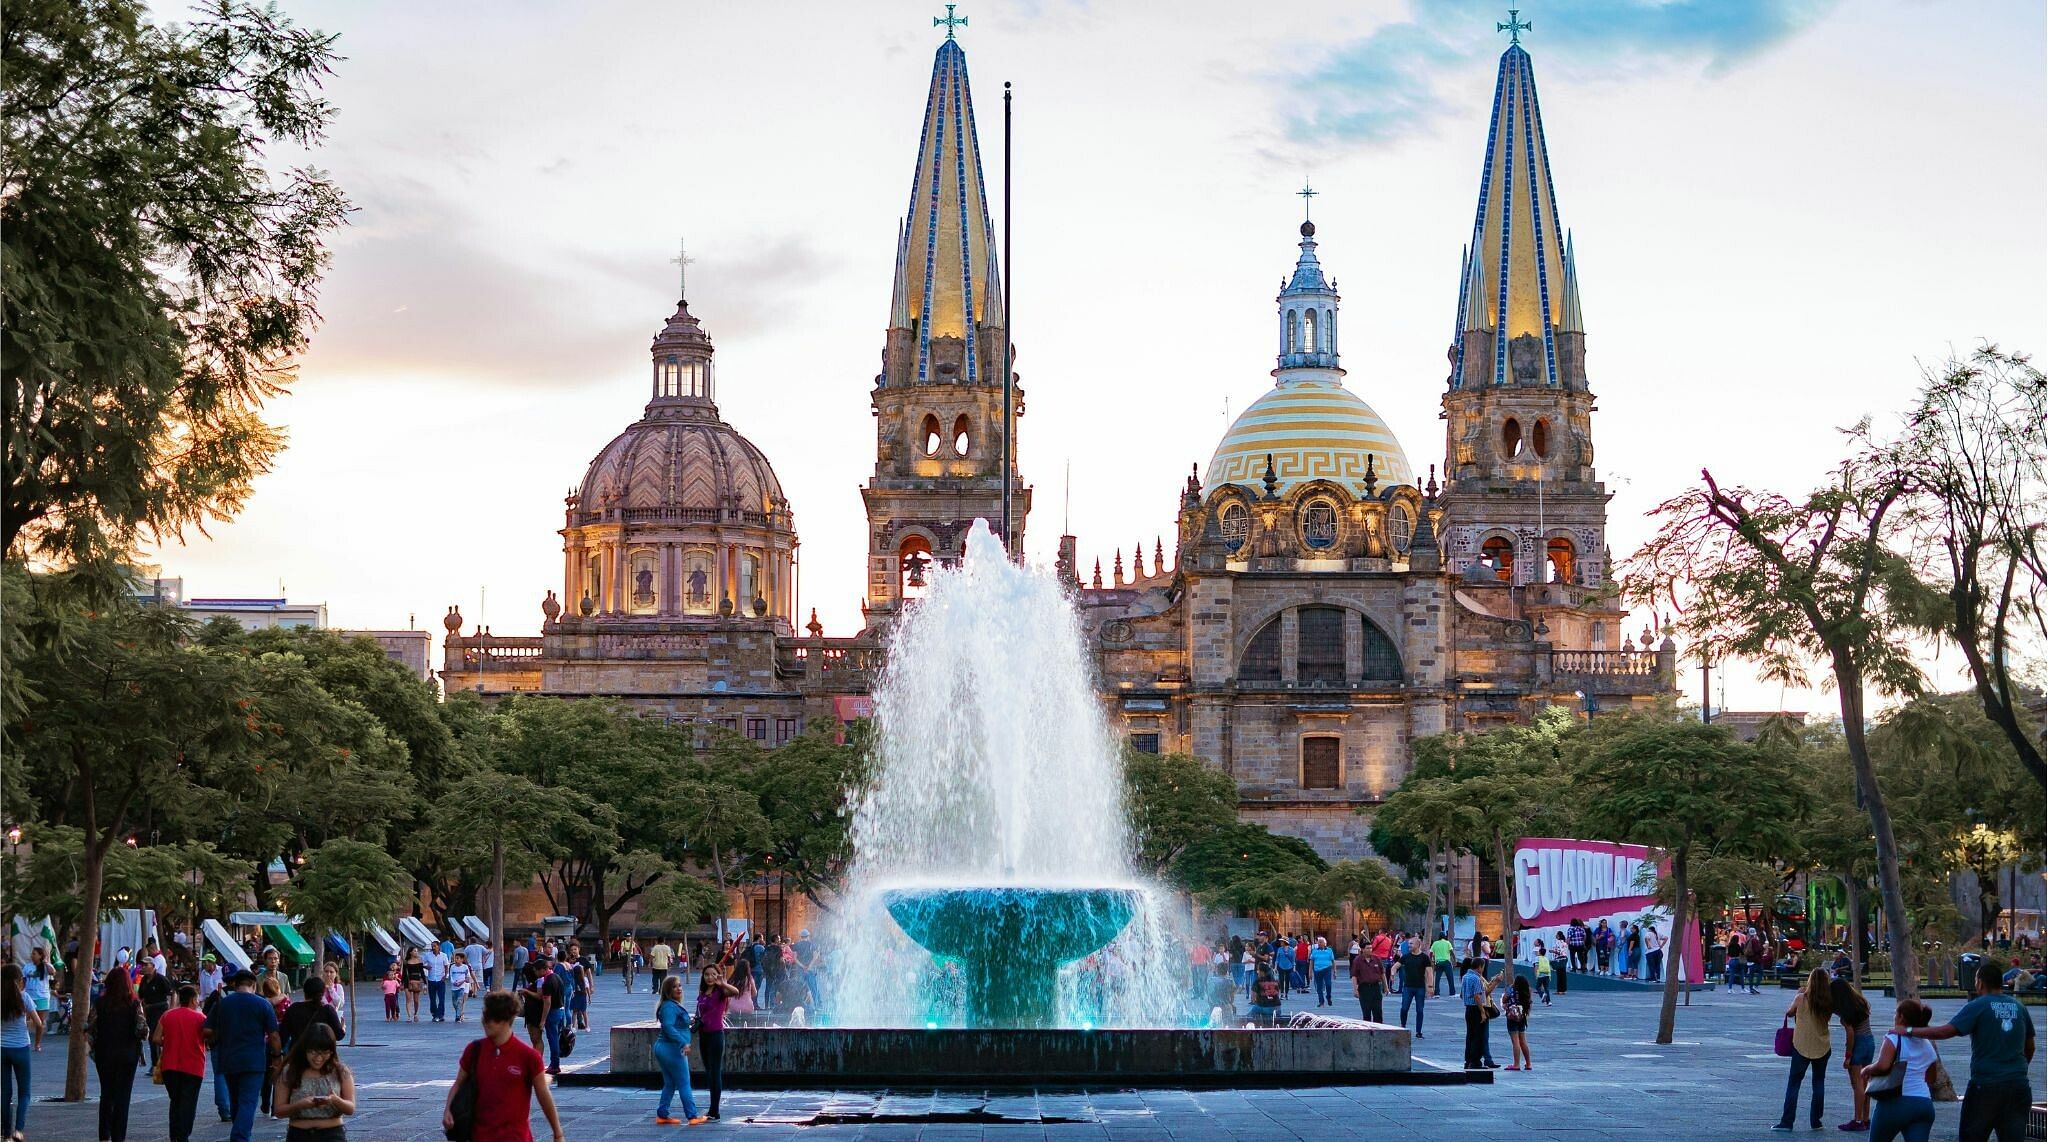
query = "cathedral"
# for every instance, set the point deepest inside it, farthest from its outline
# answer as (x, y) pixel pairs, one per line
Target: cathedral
(1324, 606)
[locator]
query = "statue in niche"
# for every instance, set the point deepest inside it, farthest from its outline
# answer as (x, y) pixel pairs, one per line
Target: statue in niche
(643, 586)
(700, 583)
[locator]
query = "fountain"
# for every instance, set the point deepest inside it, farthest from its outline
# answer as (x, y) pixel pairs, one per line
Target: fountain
(993, 927)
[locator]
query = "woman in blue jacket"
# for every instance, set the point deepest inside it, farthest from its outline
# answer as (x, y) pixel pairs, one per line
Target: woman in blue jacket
(671, 1053)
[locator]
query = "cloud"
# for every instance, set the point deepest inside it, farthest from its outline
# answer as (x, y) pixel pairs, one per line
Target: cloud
(1384, 86)
(418, 287)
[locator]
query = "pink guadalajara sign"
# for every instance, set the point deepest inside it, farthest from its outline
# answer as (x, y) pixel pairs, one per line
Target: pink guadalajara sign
(1557, 879)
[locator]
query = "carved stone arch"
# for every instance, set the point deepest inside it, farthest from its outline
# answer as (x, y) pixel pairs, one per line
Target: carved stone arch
(1231, 507)
(1321, 512)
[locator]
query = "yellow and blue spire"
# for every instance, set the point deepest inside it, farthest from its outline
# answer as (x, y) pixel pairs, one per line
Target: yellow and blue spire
(1518, 277)
(947, 283)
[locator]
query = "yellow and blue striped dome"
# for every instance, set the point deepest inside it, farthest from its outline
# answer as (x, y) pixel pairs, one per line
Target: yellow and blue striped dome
(1315, 429)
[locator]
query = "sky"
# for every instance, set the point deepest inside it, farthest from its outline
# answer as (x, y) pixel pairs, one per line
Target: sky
(1782, 212)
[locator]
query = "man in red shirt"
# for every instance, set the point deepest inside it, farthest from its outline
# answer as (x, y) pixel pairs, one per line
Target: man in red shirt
(506, 1071)
(181, 1049)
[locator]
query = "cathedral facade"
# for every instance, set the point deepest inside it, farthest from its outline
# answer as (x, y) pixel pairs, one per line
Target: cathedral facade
(1323, 606)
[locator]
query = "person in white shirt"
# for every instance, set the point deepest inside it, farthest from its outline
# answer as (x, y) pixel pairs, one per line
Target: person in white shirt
(479, 958)
(462, 980)
(1653, 953)
(209, 976)
(436, 962)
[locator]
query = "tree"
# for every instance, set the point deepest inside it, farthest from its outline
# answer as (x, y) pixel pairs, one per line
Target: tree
(1434, 812)
(1974, 465)
(1365, 885)
(157, 266)
(496, 822)
(683, 901)
(802, 789)
(720, 824)
(345, 886)
(1783, 584)
(1175, 799)
(1248, 867)
(123, 709)
(1691, 791)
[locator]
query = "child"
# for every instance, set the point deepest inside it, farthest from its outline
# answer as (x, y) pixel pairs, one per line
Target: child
(1516, 1009)
(1542, 973)
(461, 981)
(391, 994)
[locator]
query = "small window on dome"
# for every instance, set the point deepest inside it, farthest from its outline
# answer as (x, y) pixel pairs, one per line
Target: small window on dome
(1400, 527)
(1319, 524)
(960, 436)
(667, 378)
(1235, 524)
(1308, 340)
(928, 435)
(1293, 331)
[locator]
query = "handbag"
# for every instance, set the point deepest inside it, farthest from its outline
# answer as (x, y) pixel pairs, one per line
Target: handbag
(1892, 1083)
(1782, 1045)
(567, 1041)
(1940, 1086)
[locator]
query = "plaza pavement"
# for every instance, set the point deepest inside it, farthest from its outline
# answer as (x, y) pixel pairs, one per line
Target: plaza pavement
(1597, 1076)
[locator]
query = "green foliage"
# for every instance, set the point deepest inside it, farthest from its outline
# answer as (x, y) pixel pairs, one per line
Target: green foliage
(346, 885)
(683, 902)
(802, 791)
(157, 264)
(1367, 886)
(1239, 865)
(1684, 787)
(1175, 799)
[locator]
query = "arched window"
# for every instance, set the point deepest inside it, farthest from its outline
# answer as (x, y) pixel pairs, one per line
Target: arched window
(1539, 438)
(1499, 554)
(1382, 659)
(750, 583)
(960, 435)
(1319, 524)
(1261, 661)
(913, 566)
(1400, 528)
(1308, 336)
(1322, 762)
(1563, 558)
(1329, 331)
(699, 583)
(667, 378)
(593, 582)
(1319, 658)
(1293, 331)
(1511, 438)
(1235, 525)
(642, 572)
(928, 435)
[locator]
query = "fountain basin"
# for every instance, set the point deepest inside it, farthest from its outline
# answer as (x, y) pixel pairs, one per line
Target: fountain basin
(812, 1057)
(1009, 941)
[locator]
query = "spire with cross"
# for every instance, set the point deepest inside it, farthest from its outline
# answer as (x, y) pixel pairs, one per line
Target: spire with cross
(1306, 192)
(949, 21)
(1514, 27)
(682, 262)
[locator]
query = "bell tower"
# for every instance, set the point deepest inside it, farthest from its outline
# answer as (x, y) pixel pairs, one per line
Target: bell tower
(939, 398)
(1522, 502)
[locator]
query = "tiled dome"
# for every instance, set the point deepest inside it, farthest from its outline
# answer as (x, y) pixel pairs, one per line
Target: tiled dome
(1314, 428)
(681, 465)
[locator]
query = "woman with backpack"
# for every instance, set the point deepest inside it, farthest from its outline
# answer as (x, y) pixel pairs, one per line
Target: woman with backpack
(1810, 1011)
(1515, 1006)
(1859, 1048)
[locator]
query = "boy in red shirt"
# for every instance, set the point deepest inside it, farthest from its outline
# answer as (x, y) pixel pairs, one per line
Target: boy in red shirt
(181, 1049)
(505, 1071)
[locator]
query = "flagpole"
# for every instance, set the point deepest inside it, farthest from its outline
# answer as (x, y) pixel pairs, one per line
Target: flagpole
(1009, 415)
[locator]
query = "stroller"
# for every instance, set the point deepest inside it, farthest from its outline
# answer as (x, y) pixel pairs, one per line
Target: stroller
(59, 1022)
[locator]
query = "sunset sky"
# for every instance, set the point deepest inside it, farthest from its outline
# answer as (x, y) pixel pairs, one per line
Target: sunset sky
(1781, 211)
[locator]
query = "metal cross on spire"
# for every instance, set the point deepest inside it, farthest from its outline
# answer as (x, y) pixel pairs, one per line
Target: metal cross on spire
(1514, 27)
(1306, 192)
(949, 21)
(682, 262)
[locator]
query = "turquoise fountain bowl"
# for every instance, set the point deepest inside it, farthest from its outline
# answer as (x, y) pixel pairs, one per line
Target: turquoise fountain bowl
(1011, 940)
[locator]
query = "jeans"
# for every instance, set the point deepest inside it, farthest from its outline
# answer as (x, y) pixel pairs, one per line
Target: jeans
(1369, 1006)
(711, 1048)
(1323, 985)
(221, 1101)
(183, 1089)
(1800, 1065)
(1543, 988)
(557, 1020)
(437, 998)
(14, 1090)
(1578, 957)
(1418, 996)
(1284, 973)
(1475, 1037)
(1995, 1107)
(1902, 1117)
(675, 1079)
(117, 1083)
(1446, 979)
(1654, 961)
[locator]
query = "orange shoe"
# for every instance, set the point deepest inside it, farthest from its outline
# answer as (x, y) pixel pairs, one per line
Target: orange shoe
(699, 1120)
(660, 1121)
